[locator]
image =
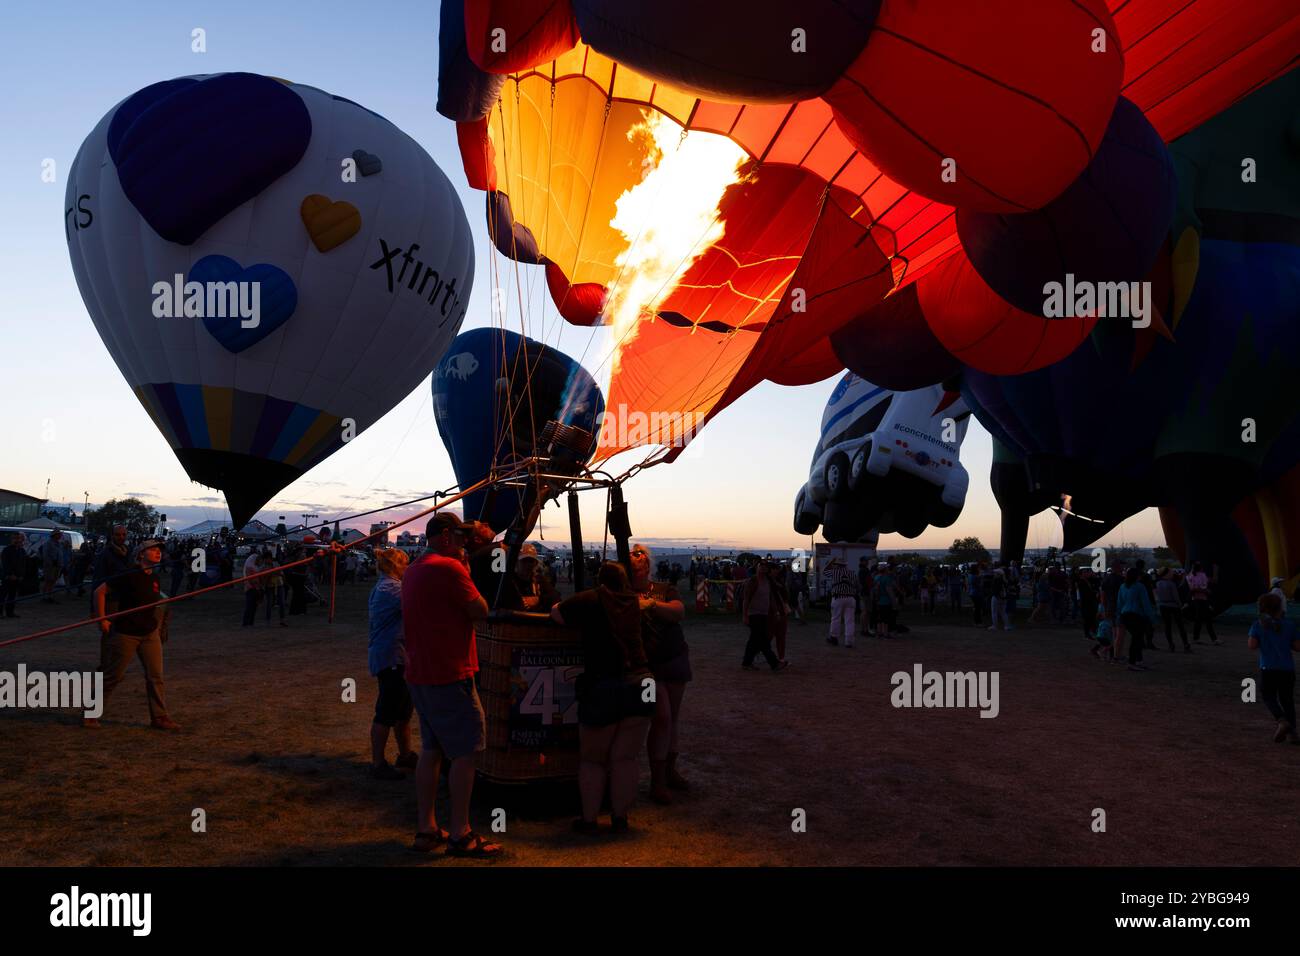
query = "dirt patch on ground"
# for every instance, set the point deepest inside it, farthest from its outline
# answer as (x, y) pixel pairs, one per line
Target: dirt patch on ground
(1184, 770)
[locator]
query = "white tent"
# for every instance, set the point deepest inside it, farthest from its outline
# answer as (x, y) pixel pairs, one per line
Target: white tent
(46, 523)
(204, 528)
(254, 529)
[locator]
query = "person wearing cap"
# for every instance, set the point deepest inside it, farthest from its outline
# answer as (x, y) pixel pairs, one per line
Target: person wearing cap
(139, 634)
(843, 586)
(1275, 587)
(1276, 639)
(529, 587)
(440, 606)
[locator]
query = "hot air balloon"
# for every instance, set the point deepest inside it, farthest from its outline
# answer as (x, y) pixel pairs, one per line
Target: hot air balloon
(727, 207)
(493, 395)
(885, 462)
(724, 213)
(1202, 421)
(272, 268)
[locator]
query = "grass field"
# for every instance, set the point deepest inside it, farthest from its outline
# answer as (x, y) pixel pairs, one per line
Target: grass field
(1184, 770)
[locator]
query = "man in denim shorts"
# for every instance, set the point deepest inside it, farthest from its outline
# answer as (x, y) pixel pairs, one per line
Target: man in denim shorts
(440, 606)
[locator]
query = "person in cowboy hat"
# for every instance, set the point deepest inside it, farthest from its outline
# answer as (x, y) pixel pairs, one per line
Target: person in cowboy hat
(138, 634)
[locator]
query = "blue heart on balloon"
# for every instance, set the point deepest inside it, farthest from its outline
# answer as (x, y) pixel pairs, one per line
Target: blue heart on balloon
(189, 151)
(262, 285)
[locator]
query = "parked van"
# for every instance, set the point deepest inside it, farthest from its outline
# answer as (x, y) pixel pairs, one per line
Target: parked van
(36, 538)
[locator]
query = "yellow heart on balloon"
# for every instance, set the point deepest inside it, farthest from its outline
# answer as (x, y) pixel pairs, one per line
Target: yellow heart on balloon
(329, 223)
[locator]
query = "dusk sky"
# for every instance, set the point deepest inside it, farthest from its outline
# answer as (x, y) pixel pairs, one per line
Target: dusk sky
(70, 417)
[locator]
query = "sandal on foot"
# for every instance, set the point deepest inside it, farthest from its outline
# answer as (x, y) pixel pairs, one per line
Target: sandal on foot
(472, 845)
(425, 842)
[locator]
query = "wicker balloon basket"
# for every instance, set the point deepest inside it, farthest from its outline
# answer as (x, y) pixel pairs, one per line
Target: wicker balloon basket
(528, 666)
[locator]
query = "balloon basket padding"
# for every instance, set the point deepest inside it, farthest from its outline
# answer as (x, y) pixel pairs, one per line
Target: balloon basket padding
(498, 638)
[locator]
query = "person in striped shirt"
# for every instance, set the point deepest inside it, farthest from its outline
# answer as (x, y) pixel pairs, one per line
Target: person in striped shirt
(843, 586)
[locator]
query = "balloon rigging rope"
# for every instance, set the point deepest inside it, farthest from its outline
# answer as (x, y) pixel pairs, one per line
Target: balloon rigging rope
(396, 451)
(448, 497)
(504, 426)
(586, 211)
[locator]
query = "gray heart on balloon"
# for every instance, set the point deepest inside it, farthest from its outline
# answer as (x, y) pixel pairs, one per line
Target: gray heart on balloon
(367, 163)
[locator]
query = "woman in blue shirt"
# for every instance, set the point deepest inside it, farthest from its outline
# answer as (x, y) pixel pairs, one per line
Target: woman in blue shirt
(1137, 615)
(1275, 638)
(388, 664)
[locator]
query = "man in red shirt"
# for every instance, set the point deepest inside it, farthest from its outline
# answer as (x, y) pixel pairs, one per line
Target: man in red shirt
(440, 606)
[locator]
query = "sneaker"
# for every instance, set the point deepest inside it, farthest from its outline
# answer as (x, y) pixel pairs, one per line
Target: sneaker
(832, 641)
(748, 667)
(1283, 731)
(386, 771)
(780, 666)
(1138, 667)
(164, 723)
(849, 647)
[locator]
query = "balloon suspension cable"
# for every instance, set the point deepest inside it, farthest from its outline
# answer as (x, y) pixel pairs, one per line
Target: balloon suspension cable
(334, 573)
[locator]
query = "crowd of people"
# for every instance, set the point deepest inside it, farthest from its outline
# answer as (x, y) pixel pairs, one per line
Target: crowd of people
(423, 655)
(1057, 595)
(1123, 608)
(636, 662)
